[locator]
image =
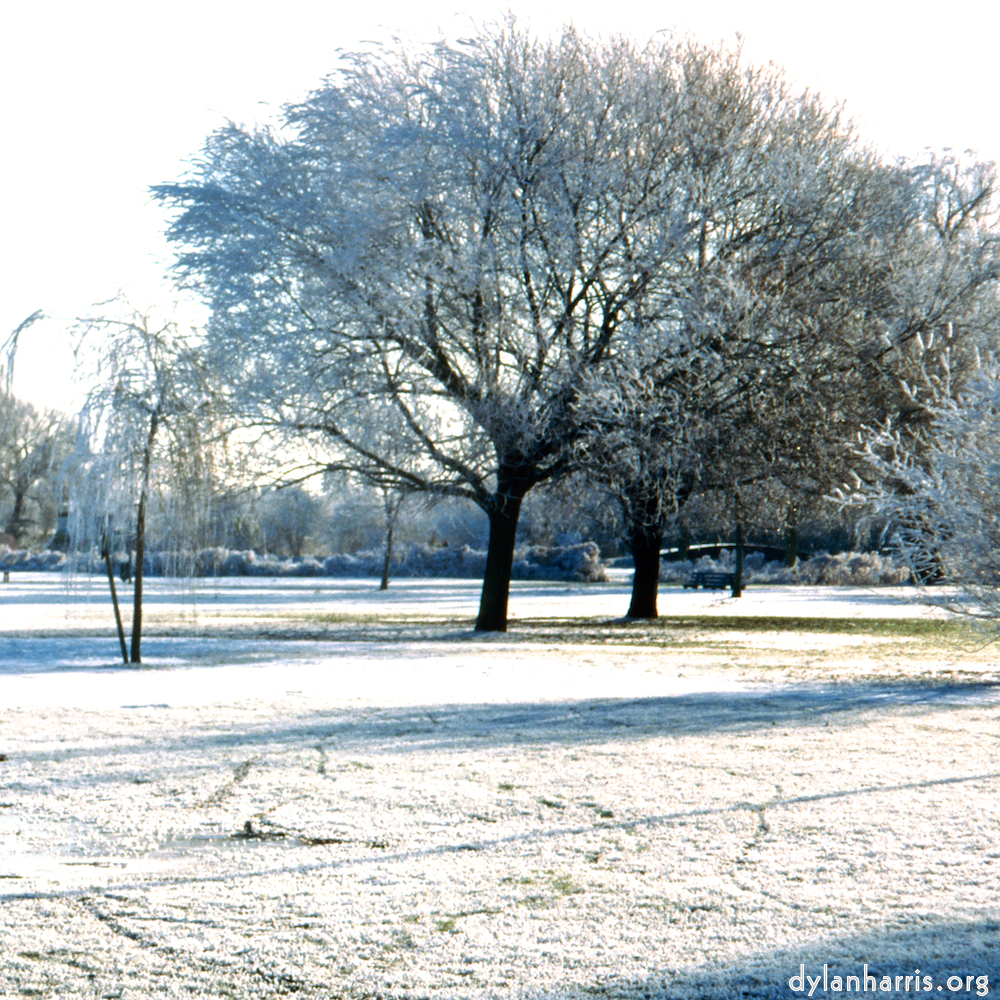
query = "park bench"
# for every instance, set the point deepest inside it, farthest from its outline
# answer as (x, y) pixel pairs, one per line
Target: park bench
(710, 579)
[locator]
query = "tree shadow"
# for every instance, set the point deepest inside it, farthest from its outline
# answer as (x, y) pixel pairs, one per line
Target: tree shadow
(941, 957)
(569, 722)
(566, 723)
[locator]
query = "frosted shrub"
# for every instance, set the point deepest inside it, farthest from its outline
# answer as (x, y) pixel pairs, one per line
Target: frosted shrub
(237, 564)
(347, 564)
(459, 562)
(307, 566)
(580, 562)
(31, 562)
(209, 561)
(941, 497)
(676, 572)
(853, 569)
(846, 569)
(568, 562)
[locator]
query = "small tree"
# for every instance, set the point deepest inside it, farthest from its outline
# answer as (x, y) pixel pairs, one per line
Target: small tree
(148, 383)
(392, 507)
(288, 517)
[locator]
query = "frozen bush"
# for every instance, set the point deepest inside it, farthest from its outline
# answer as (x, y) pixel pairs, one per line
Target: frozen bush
(209, 562)
(458, 562)
(846, 569)
(307, 566)
(237, 564)
(866, 569)
(346, 564)
(676, 572)
(581, 561)
(573, 562)
(31, 562)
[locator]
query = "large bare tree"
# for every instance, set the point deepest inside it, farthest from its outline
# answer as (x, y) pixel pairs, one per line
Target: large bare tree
(744, 378)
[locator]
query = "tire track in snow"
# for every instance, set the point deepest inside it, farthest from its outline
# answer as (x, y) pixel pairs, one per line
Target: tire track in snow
(240, 773)
(281, 982)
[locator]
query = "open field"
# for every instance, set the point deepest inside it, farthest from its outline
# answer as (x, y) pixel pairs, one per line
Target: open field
(311, 788)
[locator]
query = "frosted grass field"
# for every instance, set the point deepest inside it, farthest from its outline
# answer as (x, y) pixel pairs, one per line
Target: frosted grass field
(311, 788)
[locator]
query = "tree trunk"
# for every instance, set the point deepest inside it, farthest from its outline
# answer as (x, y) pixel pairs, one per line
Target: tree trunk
(140, 544)
(384, 583)
(140, 555)
(392, 504)
(684, 542)
(500, 555)
(646, 543)
(738, 573)
(14, 524)
(792, 538)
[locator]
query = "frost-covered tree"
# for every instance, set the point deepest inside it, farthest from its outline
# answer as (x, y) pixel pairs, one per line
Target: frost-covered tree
(454, 235)
(931, 253)
(941, 501)
(642, 422)
(150, 400)
(287, 518)
(34, 445)
(819, 339)
(941, 301)
(742, 379)
(931, 450)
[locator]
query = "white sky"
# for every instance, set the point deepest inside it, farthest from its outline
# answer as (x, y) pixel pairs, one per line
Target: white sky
(102, 99)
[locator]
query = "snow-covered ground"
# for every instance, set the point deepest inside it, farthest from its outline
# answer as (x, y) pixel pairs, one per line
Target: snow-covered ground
(313, 788)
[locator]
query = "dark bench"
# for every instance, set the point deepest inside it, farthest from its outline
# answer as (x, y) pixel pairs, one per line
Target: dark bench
(710, 579)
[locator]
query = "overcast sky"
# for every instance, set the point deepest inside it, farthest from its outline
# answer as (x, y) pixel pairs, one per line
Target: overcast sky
(102, 99)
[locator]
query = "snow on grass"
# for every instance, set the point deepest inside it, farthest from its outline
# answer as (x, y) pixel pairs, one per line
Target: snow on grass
(312, 788)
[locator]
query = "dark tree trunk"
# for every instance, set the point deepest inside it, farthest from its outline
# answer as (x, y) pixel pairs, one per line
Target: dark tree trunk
(643, 511)
(791, 546)
(500, 556)
(684, 542)
(14, 525)
(392, 504)
(738, 573)
(384, 583)
(646, 543)
(140, 544)
(140, 558)
(792, 538)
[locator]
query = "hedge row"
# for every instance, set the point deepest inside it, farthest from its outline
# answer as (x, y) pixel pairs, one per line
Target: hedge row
(580, 562)
(845, 569)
